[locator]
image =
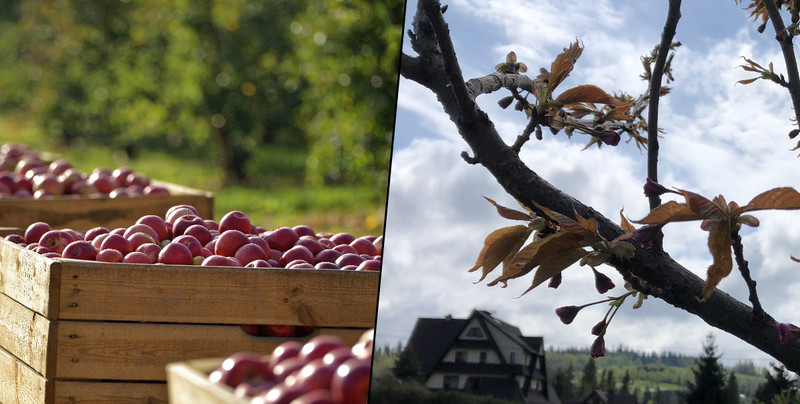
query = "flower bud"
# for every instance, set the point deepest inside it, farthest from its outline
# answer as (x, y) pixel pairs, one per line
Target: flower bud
(652, 188)
(567, 313)
(788, 332)
(602, 282)
(555, 281)
(609, 137)
(645, 235)
(599, 327)
(598, 347)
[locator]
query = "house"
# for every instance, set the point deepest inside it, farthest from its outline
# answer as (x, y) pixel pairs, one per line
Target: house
(481, 355)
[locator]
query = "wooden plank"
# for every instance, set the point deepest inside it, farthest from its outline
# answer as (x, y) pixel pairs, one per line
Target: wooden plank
(21, 384)
(141, 351)
(82, 213)
(28, 336)
(30, 278)
(71, 392)
(217, 295)
(187, 383)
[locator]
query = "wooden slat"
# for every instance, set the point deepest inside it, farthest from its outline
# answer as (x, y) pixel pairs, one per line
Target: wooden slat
(29, 278)
(27, 335)
(187, 383)
(141, 351)
(217, 295)
(81, 213)
(21, 384)
(71, 392)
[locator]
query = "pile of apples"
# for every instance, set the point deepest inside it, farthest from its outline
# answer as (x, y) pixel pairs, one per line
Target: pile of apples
(182, 237)
(24, 174)
(323, 370)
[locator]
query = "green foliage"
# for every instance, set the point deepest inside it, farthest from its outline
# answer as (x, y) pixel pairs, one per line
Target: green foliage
(223, 80)
(407, 366)
(779, 387)
(588, 378)
(709, 376)
(391, 391)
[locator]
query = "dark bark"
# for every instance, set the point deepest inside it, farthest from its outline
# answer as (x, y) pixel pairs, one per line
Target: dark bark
(651, 271)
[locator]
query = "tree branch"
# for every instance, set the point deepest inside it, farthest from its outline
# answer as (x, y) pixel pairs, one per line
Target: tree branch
(673, 15)
(744, 268)
(655, 270)
(787, 49)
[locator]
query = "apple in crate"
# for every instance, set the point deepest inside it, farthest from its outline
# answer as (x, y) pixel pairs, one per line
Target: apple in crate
(242, 367)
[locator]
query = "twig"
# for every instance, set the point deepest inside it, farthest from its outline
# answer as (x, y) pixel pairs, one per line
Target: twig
(738, 252)
(673, 15)
(785, 40)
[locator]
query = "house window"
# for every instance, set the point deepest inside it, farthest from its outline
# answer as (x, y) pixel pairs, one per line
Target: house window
(451, 382)
(475, 332)
(512, 358)
(483, 357)
(461, 356)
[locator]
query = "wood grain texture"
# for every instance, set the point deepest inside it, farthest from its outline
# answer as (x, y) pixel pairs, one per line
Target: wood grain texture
(71, 392)
(21, 384)
(217, 295)
(141, 351)
(28, 336)
(81, 213)
(29, 278)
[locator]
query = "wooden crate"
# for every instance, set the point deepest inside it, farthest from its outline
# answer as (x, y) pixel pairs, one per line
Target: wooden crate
(84, 331)
(187, 383)
(82, 213)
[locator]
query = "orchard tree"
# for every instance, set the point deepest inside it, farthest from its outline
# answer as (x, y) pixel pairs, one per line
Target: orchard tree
(564, 230)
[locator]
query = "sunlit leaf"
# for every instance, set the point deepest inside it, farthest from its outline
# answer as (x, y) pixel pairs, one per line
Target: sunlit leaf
(554, 264)
(509, 213)
(585, 93)
(704, 207)
(498, 245)
(589, 225)
(785, 198)
(563, 64)
(748, 81)
(670, 212)
(719, 243)
(625, 224)
(530, 256)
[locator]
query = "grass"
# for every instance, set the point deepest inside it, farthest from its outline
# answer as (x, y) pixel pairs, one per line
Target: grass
(358, 210)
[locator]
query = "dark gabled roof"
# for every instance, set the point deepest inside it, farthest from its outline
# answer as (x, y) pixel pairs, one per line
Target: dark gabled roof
(431, 339)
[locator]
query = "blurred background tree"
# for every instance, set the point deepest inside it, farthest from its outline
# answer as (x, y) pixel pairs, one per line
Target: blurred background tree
(301, 91)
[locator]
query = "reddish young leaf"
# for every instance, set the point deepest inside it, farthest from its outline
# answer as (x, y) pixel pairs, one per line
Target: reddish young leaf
(553, 265)
(530, 256)
(509, 213)
(563, 64)
(625, 224)
(719, 243)
(585, 93)
(700, 205)
(498, 245)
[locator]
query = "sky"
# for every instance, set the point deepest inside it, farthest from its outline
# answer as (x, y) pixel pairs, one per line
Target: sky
(719, 138)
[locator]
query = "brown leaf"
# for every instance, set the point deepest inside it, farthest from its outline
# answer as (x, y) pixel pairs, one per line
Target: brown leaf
(670, 212)
(778, 198)
(748, 81)
(625, 224)
(509, 213)
(553, 265)
(533, 254)
(498, 245)
(719, 243)
(704, 207)
(585, 93)
(563, 64)
(589, 225)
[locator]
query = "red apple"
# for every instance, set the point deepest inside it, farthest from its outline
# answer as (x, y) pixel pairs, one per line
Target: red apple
(139, 238)
(248, 390)
(177, 211)
(279, 394)
(120, 175)
(229, 242)
(80, 250)
(55, 240)
(103, 182)
(325, 265)
(349, 259)
(250, 252)
(98, 240)
(119, 193)
(282, 238)
(369, 265)
(152, 190)
(157, 224)
(109, 255)
(313, 375)
(235, 220)
(137, 178)
(337, 356)
(241, 367)
(181, 223)
(364, 346)
(287, 349)
(260, 241)
(297, 252)
(200, 232)
(342, 238)
(16, 239)
(311, 243)
(286, 367)
(315, 397)
(304, 230)
(258, 264)
(175, 254)
(345, 249)
(299, 264)
(116, 242)
(194, 245)
(142, 228)
(35, 231)
(364, 246)
(151, 250)
(136, 257)
(328, 255)
(318, 346)
(350, 383)
(220, 261)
